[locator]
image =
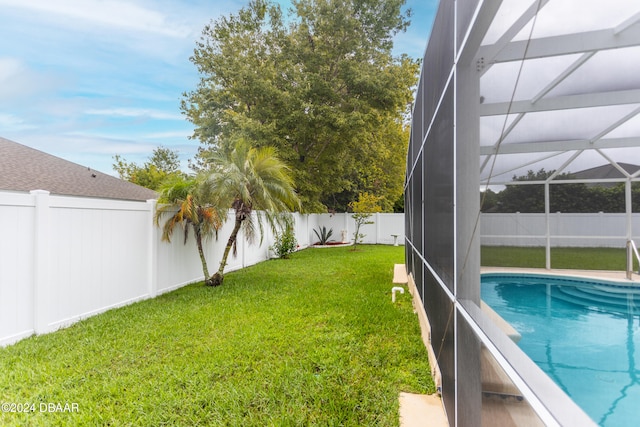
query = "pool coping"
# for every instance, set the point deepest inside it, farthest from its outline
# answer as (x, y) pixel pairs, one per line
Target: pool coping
(608, 275)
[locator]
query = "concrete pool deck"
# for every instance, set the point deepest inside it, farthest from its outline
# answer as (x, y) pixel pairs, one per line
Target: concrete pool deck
(615, 276)
(420, 410)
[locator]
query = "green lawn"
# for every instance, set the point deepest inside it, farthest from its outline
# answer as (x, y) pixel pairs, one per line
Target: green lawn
(312, 340)
(571, 258)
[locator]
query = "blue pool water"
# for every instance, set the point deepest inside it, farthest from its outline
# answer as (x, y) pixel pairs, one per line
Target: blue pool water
(584, 335)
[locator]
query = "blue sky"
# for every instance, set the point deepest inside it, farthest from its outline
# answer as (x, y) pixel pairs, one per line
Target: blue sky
(87, 79)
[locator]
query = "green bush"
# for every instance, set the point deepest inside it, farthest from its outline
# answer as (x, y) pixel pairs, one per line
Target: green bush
(285, 244)
(324, 235)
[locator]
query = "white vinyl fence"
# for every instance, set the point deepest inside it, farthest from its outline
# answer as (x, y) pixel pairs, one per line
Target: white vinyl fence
(63, 259)
(67, 258)
(512, 229)
(385, 226)
(565, 229)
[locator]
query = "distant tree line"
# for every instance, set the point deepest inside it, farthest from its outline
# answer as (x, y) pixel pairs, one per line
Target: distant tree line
(573, 198)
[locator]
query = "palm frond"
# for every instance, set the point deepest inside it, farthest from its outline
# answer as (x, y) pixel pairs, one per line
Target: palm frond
(252, 179)
(182, 200)
(249, 228)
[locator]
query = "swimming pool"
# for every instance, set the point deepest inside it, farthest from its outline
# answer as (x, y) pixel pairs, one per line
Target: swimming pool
(583, 334)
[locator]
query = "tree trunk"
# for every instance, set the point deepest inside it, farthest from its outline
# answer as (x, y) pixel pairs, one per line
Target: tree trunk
(356, 236)
(203, 260)
(216, 279)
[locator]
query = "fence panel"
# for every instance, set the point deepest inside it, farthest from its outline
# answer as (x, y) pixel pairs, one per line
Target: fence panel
(565, 229)
(178, 263)
(98, 257)
(302, 228)
(255, 251)
(390, 225)
(339, 223)
(384, 226)
(17, 238)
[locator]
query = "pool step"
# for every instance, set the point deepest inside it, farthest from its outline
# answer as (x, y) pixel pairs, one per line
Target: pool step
(619, 298)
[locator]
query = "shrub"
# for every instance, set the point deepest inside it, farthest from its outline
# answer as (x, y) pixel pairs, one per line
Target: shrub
(324, 235)
(366, 205)
(285, 243)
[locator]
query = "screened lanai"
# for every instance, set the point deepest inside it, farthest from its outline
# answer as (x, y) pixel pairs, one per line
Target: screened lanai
(506, 87)
(572, 103)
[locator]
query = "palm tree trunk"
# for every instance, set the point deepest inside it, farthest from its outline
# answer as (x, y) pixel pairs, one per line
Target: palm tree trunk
(216, 279)
(203, 260)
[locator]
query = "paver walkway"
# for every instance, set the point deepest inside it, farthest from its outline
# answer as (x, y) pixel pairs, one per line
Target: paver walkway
(418, 410)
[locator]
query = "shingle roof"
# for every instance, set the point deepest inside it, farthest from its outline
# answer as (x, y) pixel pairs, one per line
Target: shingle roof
(605, 171)
(24, 169)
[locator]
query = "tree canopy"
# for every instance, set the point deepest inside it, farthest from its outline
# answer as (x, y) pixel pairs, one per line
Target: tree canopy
(320, 84)
(163, 165)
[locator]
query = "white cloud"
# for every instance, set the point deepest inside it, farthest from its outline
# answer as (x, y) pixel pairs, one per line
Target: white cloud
(86, 79)
(17, 80)
(9, 67)
(113, 13)
(169, 135)
(135, 112)
(97, 150)
(12, 123)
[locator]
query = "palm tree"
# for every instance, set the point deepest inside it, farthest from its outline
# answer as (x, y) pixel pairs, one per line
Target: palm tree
(182, 199)
(249, 179)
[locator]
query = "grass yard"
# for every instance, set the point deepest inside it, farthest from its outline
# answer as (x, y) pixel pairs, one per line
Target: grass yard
(561, 258)
(312, 340)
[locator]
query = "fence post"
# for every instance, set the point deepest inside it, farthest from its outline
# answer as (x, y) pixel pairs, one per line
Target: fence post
(346, 216)
(41, 276)
(152, 272)
(547, 218)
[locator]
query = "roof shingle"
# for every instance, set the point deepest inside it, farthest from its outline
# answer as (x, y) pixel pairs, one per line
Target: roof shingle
(605, 171)
(24, 169)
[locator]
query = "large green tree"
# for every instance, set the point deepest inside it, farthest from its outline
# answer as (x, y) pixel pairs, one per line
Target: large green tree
(320, 84)
(247, 180)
